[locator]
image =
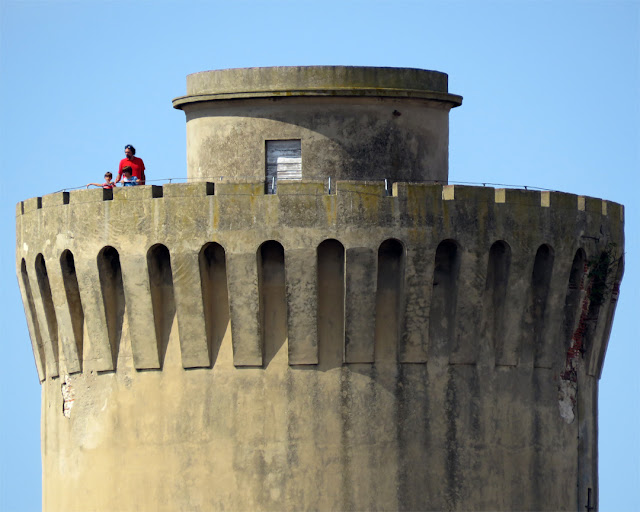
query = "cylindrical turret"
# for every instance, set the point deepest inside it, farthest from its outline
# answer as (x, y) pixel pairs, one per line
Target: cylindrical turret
(341, 122)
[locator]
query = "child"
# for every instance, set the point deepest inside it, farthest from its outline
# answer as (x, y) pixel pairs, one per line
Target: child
(127, 179)
(107, 184)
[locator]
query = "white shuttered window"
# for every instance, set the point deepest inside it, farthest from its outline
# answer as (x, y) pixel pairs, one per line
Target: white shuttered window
(284, 162)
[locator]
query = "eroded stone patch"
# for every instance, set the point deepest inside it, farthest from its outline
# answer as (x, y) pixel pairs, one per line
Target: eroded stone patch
(68, 396)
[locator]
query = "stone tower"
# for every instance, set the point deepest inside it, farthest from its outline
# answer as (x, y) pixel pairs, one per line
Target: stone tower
(316, 320)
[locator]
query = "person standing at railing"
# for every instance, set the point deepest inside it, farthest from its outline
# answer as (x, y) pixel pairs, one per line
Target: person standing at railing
(108, 184)
(136, 164)
(127, 179)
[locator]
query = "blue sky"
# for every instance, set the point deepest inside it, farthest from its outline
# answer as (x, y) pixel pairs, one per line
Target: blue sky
(551, 99)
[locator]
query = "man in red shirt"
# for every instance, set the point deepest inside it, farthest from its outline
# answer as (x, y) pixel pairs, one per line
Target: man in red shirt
(136, 164)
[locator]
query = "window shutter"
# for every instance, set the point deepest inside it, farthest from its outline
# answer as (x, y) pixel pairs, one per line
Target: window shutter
(284, 160)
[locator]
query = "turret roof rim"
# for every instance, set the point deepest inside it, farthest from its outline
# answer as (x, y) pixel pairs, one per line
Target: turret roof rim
(341, 92)
(322, 66)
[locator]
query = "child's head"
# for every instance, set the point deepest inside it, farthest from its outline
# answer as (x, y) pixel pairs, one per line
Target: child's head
(127, 171)
(108, 176)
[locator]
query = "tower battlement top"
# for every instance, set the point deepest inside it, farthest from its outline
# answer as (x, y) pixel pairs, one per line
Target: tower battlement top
(512, 197)
(159, 235)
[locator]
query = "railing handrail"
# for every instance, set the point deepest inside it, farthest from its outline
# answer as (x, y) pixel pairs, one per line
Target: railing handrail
(271, 181)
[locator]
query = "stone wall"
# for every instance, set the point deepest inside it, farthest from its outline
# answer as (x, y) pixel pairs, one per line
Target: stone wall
(210, 346)
(353, 122)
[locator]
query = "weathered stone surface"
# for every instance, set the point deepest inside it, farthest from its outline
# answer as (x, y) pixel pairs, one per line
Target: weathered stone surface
(331, 427)
(439, 362)
(354, 122)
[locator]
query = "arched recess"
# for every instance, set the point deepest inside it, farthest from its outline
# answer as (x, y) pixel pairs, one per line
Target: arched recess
(495, 294)
(330, 254)
(110, 275)
(573, 298)
(162, 298)
(215, 296)
(444, 295)
(389, 299)
(540, 284)
(31, 311)
(47, 303)
(72, 292)
(273, 303)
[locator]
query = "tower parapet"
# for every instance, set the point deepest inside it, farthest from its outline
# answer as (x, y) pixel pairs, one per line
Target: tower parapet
(429, 295)
(360, 345)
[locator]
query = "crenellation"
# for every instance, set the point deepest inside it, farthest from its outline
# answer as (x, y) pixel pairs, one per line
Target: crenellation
(55, 199)
(301, 188)
(240, 188)
(616, 211)
(477, 195)
(84, 196)
(192, 189)
(364, 188)
(31, 204)
(364, 203)
(300, 206)
(139, 193)
(545, 199)
(559, 201)
(522, 197)
(593, 205)
(368, 194)
(302, 211)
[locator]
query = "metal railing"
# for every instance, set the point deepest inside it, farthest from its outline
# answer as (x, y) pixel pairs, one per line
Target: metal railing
(271, 183)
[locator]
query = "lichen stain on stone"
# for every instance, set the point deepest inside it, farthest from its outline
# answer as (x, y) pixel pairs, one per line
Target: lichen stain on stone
(68, 396)
(330, 208)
